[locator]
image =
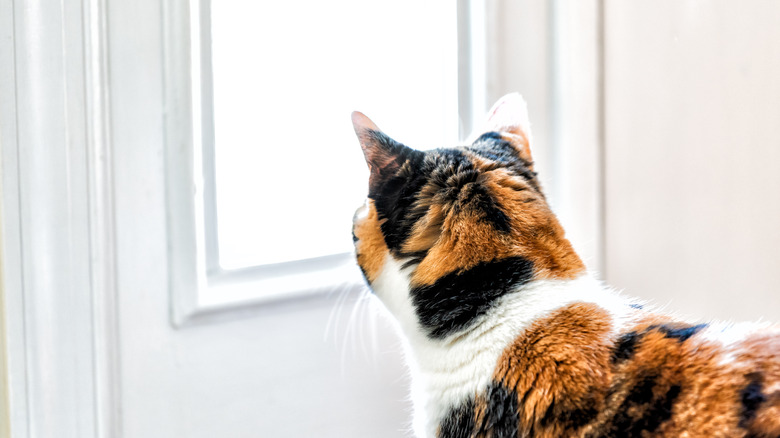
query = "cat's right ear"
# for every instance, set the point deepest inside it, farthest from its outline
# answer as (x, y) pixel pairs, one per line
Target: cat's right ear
(509, 116)
(383, 155)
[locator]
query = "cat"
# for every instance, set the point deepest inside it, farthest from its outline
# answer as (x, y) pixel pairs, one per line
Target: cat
(510, 335)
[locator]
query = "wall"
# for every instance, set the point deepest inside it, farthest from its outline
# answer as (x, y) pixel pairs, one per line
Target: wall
(693, 154)
(656, 137)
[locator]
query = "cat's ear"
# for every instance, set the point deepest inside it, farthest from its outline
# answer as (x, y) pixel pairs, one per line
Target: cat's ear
(509, 116)
(384, 155)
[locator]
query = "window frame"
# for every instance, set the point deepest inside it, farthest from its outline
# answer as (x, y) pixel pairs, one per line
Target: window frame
(200, 289)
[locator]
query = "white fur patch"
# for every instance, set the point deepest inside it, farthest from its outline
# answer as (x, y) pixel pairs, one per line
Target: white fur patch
(462, 364)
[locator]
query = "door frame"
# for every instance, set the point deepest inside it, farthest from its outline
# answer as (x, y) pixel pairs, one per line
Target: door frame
(58, 266)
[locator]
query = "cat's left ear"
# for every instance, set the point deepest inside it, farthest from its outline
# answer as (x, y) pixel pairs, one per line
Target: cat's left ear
(384, 155)
(509, 117)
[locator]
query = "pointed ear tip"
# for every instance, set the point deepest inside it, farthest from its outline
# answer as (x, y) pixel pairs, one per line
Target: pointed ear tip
(357, 118)
(360, 122)
(510, 107)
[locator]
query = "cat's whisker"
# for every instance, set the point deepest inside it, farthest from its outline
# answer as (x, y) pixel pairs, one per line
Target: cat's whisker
(331, 326)
(369, 337)
(360, 324)
(349, 335)
(342, 342)
(373, 315)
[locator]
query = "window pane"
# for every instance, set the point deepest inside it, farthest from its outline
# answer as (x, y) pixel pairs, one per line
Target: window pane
(287, 75)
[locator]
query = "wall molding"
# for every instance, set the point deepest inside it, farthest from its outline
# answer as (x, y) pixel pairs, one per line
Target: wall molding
(103, 246)
(59, 272)
(13, 391)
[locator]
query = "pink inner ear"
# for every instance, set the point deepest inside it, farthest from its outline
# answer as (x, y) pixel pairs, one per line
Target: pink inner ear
(375, 158)
(361, 123)
(379, 161)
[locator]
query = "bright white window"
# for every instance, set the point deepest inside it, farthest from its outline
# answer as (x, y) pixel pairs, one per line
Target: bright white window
(286, 75)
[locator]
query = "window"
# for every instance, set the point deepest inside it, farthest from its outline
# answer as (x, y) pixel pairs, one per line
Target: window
(289, 173)
(275, 164)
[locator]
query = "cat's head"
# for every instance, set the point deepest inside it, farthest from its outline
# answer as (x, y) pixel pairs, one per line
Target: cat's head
(447, 232)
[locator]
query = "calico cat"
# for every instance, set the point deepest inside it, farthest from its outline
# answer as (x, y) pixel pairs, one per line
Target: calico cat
(508, 332)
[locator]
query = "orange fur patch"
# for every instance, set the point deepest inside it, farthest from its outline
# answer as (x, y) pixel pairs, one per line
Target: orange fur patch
(536, 233)
(426, 231)
(465, 240)
(371, 248)
(559, 363)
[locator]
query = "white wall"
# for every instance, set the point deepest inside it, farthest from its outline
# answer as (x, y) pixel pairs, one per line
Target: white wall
(657, 139)
(692, 163)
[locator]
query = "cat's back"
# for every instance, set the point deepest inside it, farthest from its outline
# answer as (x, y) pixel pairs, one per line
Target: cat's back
(591, 369)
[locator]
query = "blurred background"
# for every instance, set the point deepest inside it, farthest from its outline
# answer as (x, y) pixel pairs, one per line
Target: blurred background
(179, 178)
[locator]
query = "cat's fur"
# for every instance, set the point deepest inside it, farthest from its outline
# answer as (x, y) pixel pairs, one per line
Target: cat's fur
(511, 335)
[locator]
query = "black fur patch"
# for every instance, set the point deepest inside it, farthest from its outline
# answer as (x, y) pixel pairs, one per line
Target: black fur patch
(491, 146)
(455, 300)
(497, 418)
(644, 409)
(626, 344)
(386, 162)
(459, 421)
(625, 347)
(570, 418)
(642, 392)
(680, 333)
(477, 197)
(413, 258)
(501, 414)
(394, 197)
(752, 397)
